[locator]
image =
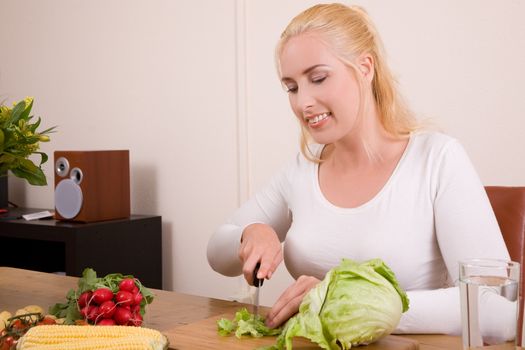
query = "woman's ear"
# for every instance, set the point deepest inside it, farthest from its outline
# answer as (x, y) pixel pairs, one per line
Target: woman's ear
(365, 63)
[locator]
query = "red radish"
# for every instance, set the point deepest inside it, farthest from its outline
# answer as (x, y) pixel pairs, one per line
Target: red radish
(135, 320)
(101, 295)
(107, 309)
(127, 284)
(93, 313)
(86, 310)
(135, 290)
(124, 298)
(135, 309)
(137, 298)
(121, 316)
(84, 298)
(106, 322)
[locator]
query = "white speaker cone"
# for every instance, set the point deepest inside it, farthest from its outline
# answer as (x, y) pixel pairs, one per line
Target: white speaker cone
(68, 198)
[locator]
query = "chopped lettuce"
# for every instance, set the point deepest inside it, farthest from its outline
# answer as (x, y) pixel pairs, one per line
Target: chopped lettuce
(245, 323)
(355, 304)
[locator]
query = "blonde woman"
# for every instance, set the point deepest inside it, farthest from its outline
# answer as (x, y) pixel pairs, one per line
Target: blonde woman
(367, 184)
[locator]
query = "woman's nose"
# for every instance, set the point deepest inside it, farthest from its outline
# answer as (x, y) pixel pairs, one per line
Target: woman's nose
(305, 99)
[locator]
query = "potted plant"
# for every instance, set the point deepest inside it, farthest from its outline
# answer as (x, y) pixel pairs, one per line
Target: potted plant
(19, 139)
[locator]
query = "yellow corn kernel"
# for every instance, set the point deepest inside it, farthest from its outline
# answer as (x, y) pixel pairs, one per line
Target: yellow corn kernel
(66, 337)
(125, 343)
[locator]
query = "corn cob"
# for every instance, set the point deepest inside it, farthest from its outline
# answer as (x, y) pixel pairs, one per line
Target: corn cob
(47, 337)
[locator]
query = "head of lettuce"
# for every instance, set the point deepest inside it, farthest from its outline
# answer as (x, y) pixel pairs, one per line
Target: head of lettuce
(355, 304)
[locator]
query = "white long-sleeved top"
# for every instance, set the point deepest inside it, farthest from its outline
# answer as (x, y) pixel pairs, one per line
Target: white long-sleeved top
(432, 213)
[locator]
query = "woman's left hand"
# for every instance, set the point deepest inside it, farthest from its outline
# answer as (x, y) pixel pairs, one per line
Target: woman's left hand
(288, 303)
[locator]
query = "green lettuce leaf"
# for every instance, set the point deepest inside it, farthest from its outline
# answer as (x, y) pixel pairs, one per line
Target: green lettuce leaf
(245, 324)
(355, 304)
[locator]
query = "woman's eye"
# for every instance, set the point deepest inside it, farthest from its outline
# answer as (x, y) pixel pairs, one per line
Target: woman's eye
(291, 89)
(318, 80)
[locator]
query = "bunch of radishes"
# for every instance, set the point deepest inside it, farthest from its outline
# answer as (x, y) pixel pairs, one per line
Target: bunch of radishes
(103, 307)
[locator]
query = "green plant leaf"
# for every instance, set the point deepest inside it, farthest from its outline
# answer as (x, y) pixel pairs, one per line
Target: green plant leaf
(6, 158)
(19, 139)
(28, 140)
(43, 158)
(88, 281)
(34, 126)
(16, 113)
(48, 131)
(33, 174)
(25, 114)
(59, 310)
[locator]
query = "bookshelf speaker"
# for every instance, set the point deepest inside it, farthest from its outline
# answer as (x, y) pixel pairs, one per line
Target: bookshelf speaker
(92, 185)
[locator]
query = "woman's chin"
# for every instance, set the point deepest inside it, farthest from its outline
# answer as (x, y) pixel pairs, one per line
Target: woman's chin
(322, 138)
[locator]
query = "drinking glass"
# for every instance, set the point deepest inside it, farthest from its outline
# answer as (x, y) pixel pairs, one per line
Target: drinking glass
(489, 291)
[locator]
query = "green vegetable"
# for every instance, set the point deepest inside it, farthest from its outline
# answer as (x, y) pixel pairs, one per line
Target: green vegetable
(90, 282)
(355, 304)
(245, 323)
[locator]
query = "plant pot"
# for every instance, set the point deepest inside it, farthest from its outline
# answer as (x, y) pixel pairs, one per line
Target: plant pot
(3, 191)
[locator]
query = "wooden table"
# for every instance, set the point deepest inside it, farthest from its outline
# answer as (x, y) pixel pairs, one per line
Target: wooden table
(187, 320)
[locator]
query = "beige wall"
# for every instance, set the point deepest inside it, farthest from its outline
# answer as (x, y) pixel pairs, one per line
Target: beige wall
(190, 88)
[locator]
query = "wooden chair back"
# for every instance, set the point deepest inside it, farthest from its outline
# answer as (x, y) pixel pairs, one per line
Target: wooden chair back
(508, 204)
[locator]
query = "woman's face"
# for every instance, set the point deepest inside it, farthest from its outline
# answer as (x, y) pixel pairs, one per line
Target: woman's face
(323, 91)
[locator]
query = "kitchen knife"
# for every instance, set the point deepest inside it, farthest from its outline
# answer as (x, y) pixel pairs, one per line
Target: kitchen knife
(257, 283)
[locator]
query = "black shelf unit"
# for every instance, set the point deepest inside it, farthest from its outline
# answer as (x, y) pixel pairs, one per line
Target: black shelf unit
(128, 246)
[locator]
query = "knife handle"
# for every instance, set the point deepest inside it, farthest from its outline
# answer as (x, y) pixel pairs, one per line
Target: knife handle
(256, 281)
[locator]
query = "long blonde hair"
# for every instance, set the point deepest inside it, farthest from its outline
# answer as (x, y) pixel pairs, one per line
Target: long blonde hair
(349, 31)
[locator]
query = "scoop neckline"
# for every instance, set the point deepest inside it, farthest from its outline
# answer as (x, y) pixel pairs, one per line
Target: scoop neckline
(372, 200)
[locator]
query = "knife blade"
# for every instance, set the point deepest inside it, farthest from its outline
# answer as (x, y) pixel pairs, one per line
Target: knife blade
(257, 283)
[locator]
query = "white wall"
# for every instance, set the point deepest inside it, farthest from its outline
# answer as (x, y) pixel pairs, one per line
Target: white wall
(190, 88)
(155, 77)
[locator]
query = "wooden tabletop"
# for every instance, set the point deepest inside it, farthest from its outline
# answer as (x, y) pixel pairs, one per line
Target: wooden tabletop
(19, 288)
(187, 320)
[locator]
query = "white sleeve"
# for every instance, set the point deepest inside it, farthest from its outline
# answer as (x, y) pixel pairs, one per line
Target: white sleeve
(465, 224)
(439, 311)
(268, 206)
(466, 227)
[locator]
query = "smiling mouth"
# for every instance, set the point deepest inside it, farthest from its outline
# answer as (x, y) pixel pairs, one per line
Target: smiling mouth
(318, 118)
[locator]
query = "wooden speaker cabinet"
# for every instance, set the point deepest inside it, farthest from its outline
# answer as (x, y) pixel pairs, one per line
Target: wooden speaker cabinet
(92, 185)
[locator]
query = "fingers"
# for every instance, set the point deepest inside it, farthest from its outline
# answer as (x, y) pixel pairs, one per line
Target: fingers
(248, 268)
(260, 244)
(290, 309)
(288, 303)
(269, 264)
(296, 289)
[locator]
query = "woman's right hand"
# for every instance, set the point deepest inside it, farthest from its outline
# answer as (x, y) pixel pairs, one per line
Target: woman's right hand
(259, 243)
